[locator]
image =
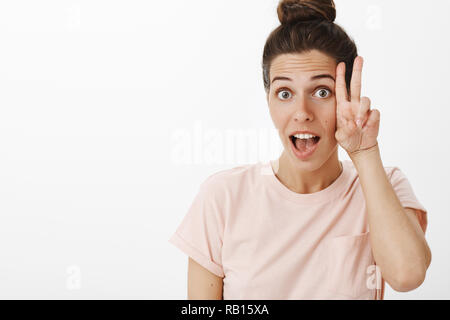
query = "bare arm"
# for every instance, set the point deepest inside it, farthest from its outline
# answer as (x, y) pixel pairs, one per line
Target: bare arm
(399, 246)
(202, 283)
(398, 242)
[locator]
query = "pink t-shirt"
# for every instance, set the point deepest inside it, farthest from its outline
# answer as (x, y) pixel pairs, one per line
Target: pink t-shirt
(268, 242)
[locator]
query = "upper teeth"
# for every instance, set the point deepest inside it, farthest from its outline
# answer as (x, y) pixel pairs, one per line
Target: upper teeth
(304, 135)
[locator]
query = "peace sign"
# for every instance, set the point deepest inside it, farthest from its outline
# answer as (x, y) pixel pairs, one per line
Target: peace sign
(356, 125)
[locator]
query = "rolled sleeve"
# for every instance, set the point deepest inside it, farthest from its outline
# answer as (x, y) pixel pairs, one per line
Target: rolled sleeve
(200, 233)
(407, 197)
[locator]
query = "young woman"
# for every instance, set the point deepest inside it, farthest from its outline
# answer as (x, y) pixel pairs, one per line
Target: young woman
(307, 225)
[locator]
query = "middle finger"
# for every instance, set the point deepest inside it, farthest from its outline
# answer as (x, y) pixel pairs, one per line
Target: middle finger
(355, 84)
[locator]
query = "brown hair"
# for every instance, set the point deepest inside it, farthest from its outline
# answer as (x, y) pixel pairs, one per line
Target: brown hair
(307, 25)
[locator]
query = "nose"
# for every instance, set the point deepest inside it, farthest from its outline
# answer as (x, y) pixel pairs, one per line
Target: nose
(302, 111)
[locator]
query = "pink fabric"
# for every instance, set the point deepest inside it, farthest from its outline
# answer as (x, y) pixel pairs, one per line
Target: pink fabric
(268, 242)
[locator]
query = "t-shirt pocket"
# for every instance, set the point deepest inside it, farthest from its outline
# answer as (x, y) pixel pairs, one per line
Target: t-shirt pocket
(347, 263)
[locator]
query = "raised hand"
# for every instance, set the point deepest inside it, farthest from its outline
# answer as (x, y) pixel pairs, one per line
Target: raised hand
(356, 125)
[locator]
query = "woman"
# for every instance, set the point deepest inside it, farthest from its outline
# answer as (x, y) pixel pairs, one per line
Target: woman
(308, 226)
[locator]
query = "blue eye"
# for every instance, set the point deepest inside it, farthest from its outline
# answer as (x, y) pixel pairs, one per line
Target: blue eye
(322, 90)
(281, 91)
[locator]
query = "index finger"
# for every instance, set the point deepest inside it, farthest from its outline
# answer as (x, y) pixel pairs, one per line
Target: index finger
(341, 86)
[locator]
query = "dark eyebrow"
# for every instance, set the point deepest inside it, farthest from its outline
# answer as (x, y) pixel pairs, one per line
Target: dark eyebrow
(319, 76)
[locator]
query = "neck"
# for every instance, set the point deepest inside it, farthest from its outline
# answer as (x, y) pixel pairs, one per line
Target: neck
(307, 180)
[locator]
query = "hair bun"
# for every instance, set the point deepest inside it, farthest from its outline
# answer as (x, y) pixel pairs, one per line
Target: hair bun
(305, 10)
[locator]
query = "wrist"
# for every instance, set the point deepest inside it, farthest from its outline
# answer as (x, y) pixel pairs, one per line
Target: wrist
(364, 153)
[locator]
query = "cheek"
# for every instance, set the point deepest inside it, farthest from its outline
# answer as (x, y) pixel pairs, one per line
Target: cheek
(278, 117)
(329, 122)
(329, 125)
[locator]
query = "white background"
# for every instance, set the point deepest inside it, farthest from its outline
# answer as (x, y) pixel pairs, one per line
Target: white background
(97, 97)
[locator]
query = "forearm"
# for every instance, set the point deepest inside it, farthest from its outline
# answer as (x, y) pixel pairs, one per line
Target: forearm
(399, 251)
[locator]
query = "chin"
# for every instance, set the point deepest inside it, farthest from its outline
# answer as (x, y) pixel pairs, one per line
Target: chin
(308, 165)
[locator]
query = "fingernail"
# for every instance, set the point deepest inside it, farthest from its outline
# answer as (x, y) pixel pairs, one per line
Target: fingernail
(358, 123)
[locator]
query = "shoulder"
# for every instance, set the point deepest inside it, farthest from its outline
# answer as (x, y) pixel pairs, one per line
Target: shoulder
(222, 190)
(393, 171)
(232, 178)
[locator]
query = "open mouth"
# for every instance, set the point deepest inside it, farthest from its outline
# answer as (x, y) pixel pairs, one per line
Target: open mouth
(303, 145)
